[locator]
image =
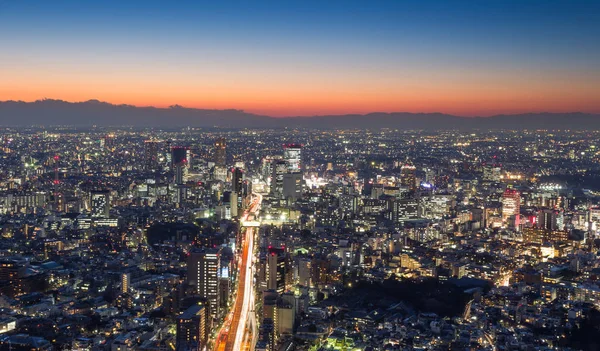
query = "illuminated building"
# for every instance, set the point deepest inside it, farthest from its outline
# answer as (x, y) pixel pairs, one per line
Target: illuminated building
(404, 209)
(180, 163)
(10, 274)
(276, 269)
(540, 236)
(237, 185)
(511, 205)
(151, 155)
(302, 270)
(547, 219)
(292, 154)
(220, 152)
(203, 273)
(192, 329)
(100, 203)
(278, 172)
(408, 177)
(125, 282)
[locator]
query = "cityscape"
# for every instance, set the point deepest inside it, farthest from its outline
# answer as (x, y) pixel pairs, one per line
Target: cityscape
(299, 175)
(298, 239)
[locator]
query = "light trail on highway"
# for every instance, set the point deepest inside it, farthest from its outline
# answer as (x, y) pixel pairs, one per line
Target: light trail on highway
(235, 325)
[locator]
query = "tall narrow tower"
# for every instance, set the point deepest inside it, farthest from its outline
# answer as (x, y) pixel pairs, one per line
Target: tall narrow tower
(56, 183)
(220, 152)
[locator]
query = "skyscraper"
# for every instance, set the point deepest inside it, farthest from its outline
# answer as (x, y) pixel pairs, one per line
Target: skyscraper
(237, 185)
(404, 209)
(547, 219)
(278, 171)
(276, 269)
(125, 282)
(179, 163)
(151, 155)
(237, 180)
(292, 154)
(193, 329)
(408, 177)
(100, 203)
(220, 152)
(203, 273)
(292, 186)
(511, 205)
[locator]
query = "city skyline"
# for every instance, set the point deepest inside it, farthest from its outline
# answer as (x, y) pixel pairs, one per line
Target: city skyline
(303, 59)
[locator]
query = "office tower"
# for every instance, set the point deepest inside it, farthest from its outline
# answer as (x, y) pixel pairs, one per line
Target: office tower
(100, 203)
(229, 207)
(266, 332)
(404, 209)
(237, 185)
(278, 171)
(179, 163)
(193, 329)
(511, 205)
(292, 154)
(408, 177)
(547, 219)
(302, 270)
(276, 269)
(203, 273)
(292, 186)
(10, 273)
(168, 153)
(151, 155)
(125, 282)
(266, 169)
(320, 269)
(237, 180)
(540, 235)
(220, 152)
(348, 204)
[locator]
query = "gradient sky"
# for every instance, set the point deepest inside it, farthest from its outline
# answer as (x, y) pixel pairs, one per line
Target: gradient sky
(284, 58)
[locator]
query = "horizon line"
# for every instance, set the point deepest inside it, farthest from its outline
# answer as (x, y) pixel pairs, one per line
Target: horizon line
(174, 106)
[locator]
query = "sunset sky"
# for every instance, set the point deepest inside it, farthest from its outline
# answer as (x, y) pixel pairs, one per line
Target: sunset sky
(286, 58)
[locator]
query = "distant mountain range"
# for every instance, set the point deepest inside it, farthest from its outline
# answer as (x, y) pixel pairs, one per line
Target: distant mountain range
(83, 114)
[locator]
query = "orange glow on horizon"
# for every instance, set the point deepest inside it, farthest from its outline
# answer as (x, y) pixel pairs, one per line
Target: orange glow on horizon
(307, 96)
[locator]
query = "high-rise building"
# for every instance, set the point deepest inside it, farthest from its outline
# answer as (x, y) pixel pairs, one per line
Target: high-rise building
(511, 205)
(302, 270)
(193, 329)
(292, 154)
(100, 203)
(237, 180)
(220, 152)
(10, 273)
(237, 185)
(404, 209)
(203, 273)
(180, 163)
(276, 269)
(547, 219)
(151, 148)
(266, 169)
(408, 177)
(125, 282)
(278, 171)
(292, 186)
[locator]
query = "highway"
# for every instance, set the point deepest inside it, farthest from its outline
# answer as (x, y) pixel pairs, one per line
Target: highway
(234, 335)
